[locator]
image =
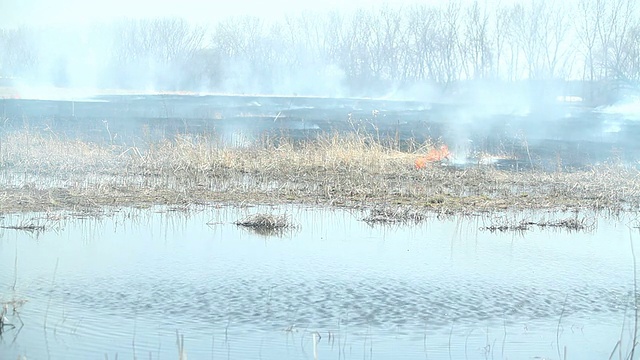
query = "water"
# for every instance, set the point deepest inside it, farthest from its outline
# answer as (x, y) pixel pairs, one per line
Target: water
(124, 285)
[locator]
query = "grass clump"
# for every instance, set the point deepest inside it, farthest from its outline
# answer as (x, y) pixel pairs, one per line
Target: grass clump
(394, 215)
(573, 223)
(10, 315)
(29, 227)
(266, 224)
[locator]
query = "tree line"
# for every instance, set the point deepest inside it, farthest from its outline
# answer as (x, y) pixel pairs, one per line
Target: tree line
(592, 46)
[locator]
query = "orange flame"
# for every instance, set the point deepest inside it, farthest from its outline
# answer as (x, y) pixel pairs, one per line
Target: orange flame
(432, 156)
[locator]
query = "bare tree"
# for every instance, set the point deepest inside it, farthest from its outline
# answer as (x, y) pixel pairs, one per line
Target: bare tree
(627, 68)
(586, 25)
(368, 51)
(20, 49)
(529, 28)
(237, 41)
(476, 50)
(501, 30)
(450, 43)
(623, 37)
(423, 33)
(385, 48)
(553, 33)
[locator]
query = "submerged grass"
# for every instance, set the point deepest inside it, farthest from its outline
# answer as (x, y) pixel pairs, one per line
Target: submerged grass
(44, 172)
(574, 223)
(10, 315)
(394, 215)
(266, 224)
(29, 227)
(265, 221)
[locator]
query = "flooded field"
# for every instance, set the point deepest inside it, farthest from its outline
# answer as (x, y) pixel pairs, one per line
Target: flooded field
(118, 235)
(129, 284)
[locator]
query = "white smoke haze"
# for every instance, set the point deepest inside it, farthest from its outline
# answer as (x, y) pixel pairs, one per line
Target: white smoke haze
(627, 109)
(510, 57)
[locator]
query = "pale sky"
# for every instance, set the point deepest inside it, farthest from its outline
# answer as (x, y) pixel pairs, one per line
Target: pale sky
(46, 12)
(31, 12)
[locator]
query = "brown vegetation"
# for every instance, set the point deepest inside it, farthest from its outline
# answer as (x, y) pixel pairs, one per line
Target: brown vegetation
(394, 215)
(574, 223)
(42, 172)
(266, 224)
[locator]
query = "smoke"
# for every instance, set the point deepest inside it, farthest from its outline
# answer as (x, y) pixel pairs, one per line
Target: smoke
(628, 109)
(492, 56)
(419, 91)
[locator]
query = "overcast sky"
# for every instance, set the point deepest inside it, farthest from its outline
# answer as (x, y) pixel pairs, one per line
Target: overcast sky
(16, 12)
(45, 12)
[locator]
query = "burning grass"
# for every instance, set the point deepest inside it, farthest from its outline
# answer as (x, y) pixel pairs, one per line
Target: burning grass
(43, 172)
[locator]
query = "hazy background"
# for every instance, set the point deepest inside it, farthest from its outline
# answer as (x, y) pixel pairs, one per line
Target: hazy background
(63, 11)
(472, 50)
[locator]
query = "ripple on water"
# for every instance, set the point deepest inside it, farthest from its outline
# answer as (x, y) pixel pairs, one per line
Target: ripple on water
(236, 293)
(364, 302)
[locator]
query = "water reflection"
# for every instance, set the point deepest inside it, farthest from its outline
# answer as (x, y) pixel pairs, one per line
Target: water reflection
(444, 289)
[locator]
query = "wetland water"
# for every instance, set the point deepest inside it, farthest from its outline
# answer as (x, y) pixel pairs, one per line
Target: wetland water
(121, 286)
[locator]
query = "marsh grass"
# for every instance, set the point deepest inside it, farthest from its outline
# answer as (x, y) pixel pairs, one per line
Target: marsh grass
(390, 215)
(182, 354)
(29, 227)
(10, 315)
(512, 223)
(266, 224)
(36, 224)
(43, 171)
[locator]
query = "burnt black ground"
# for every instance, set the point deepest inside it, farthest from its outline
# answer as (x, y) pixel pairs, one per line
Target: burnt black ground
(551, 136)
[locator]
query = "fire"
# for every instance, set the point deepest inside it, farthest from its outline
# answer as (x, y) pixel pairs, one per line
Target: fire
(432, 156)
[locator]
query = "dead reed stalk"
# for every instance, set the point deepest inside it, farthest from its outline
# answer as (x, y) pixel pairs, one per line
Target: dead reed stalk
(266, 224)
(43, 172)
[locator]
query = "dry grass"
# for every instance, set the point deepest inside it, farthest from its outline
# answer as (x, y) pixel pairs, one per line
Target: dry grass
(10, 315)
(266, 224)
(386, 215)
(29, 227)
(573, 223)
(40, 172)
